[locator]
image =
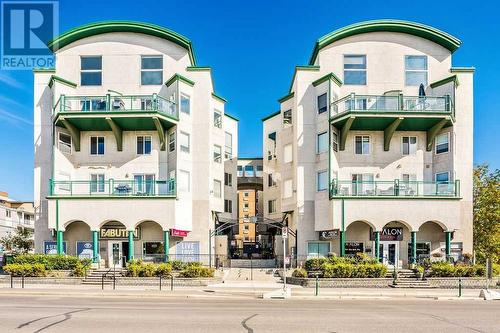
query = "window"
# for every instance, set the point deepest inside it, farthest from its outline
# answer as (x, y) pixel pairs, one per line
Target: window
(322, 103)
(96, 145)
(271, 181)
(362, 184)
(246, 194)
(362, 145)
(287, 154)
(8, 213)
(171, 141)
(217, 154)
(246, 206)
(415, 70)
(249, 171)
(228, 206)
(217, 119)
(287, 117)
(152, 70)
(287, 188)
(408, 184)
(152, 248)
(144, 145)
(355, 69)
(185, 104)
(423, 250)
(318, 249)
(322, 181)
(442, 143)
(217, 188)
(442, 177)
(144, 184)
(271, 206)
(91, 71)
(64, 143)
(184, 142)
(228, 146)
(322, 143)
(335, 141)
(239, 171)
(258, 171)
(184, 181)
(97, 183)
(409, 145)
(228, 179)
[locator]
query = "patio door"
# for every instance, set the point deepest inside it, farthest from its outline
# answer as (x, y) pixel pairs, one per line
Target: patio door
(390, 253)
(362, 184)
(115, 253)
(144, 184)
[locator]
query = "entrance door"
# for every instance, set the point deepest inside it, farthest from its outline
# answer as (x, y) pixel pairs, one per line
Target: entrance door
(115, 254)
(390, 253)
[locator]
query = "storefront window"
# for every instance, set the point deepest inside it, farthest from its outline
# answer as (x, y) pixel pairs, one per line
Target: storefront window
(318, 249)
(423, 250)
(352, 248)
(150, 248)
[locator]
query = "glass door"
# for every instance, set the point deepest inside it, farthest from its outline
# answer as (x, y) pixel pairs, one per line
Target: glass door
(390, 253)
(115, 254)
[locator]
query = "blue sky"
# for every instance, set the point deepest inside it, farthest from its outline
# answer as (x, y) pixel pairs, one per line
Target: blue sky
(252, 47)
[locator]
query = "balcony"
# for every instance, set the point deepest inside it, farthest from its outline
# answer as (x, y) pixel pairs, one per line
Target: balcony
(115, 113)
(391, 113)
(112, 188)
(396, 188)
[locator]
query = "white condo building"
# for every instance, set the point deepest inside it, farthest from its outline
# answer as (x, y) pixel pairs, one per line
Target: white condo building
(131, 146)
(371, 149)
(14, 214)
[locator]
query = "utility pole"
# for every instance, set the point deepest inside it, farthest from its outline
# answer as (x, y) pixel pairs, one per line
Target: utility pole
(284, 235)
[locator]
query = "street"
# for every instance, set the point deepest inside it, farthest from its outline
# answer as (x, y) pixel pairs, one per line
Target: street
(41, 313)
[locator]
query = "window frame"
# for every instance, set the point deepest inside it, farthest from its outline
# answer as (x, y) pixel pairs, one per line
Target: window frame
(217, 154)
(409, 145)
(251, 170)
(271, 182)
(365, 70)
(217, 188)
(325, 109)
(318, 189)
(284, 153)
(228, 206)
(285, 183)
(217, 114)
(442, 173)
(271, 206)
(59, 143)
(90, 71)
(188, 98)
(171, 142)
(100, 184)
(426, 70)
(318, 151)
(228, 179)
(182, 148)
(144, 137)
(369, 142)
(188, 174)
(287, 120)
(228, 150)
(335, 140)
(160, 70)
(97, 145)
(436, 144)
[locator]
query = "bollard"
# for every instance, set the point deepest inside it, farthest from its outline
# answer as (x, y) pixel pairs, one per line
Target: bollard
(317, 285)
(102, 282)
(22, 281)
(114, 282)
(251, 268)
(171, 283)
(11, 282)
(459, 287)
(160, 282)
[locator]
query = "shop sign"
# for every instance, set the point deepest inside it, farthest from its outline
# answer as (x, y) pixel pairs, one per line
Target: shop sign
(117, 233)
(188, 251)
(351, 248)
(84, 250)
(178, 233)
(329, 234)
(50, 247)
(390, 234)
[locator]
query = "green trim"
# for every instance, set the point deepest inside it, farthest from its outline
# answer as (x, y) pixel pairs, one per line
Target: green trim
(161, 133)
(166, 243)
(117, 197)
(413, 247)
(344, 131)
(389, 132)
(301, 68)
(362, 197)
(271, 115)
(44, 70)
(55, 78)
(448, 244)
(250, 158)
(377, 245)
(286, 98)
(73, 131)
(230, 116)
(97, 28)
(198, 68)
(327, 77)
(118, 133)
(440, 37)
(130, 245)
(95, 246)
(449, 79)
(220, 99)
(179, 77)
(433, 132)
(462, 69)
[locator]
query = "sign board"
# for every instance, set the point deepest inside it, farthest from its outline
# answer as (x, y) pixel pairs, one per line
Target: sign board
(329, 234)
(284, 232)
(287, 260)
(50, 247)
(117, 233)
(390, 234)
(351, 248)
(84, 250)
(178, 233)
(188, 251)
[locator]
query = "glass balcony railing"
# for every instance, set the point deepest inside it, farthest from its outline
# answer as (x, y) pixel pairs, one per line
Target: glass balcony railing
(372, 103)
(395, 188)
(108, 103)
(113, 188)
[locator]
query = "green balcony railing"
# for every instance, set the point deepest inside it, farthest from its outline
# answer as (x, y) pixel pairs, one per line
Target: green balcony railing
(373, 103)
(112, 188)
(395, 188)
(108, 103)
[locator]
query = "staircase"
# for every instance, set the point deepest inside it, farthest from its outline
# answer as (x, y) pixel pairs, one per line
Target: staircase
(95, 276)
(253, 263)
(407, 278)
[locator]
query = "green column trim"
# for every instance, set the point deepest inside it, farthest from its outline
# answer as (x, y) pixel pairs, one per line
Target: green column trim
(448, 244)
(73, 131)
(166, 243)
(389, 132)
(344, 131)
(161, 133)
(413, 247)
(130, 245)
(60, 242)
(377, 245)
(342, 231)
(117, 131)
(95, 246)
(433, 131)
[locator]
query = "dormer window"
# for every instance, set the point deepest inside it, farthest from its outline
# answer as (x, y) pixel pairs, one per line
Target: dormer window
(415, 70)
(152, 70)
(91, 71)
(355, 69)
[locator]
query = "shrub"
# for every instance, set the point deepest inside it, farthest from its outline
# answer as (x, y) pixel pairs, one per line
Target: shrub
(315, 264)
(442, 269)
(197, 271)
(177, 265)
(341, 270)
(79, 269)
(50, 262)
(164, 270)
(148, 270)
(496, 269)
(25, 269)
(299, 273)
(134, 268)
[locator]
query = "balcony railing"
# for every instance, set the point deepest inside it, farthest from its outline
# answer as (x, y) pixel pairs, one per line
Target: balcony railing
(372, 103)
(113, 188)
(108, 103)
(396, 188)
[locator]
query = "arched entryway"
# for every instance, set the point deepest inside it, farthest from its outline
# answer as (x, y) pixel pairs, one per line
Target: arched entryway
(358, 238)
(394, 239)
(77, 240)
(431, 240)
(151, 242)
(114, 243)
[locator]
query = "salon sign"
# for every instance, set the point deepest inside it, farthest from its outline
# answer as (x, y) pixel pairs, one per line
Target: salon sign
(390, 234)
(117, 233)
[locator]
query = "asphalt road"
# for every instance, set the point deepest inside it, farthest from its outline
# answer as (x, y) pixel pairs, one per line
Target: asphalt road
(35, 313)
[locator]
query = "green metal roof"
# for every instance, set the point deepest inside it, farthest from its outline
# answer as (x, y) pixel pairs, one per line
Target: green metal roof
(440, 37)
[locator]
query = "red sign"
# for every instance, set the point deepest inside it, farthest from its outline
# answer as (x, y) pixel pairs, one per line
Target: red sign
(178, 233)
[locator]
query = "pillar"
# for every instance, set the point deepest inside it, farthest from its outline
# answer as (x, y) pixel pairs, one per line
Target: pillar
(377, 245)
(166, 243)
(413, 247)
(60, 242)
(130, 245)
(448, 244)
(342, 243)
(95, 246)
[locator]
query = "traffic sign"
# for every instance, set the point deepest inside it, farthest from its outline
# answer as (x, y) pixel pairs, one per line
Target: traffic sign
(284, 232)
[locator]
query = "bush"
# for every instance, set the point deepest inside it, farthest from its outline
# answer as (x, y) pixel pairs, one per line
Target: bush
(299, 273)
(442, 269)
(148, 270)
(164, 270)
(50, 262)
(342, 270)
(315, 264)
(79, 270)
(134, 268)
(177, 265)
(25, 269)
(197, 271)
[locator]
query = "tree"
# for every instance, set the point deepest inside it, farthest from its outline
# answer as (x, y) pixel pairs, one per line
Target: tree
(18, 242)
(486, 214)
